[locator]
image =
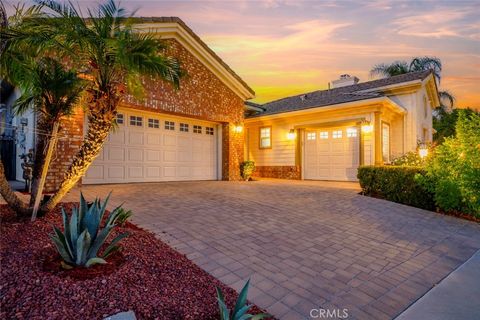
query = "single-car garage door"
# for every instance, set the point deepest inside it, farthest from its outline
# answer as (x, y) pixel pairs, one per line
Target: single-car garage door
(149, 147)
(332, 153)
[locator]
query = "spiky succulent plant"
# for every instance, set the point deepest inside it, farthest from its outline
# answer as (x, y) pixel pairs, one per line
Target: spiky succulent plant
(241, 307)
(82, 238)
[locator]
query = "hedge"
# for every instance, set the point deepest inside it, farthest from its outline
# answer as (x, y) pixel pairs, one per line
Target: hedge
(396, 184)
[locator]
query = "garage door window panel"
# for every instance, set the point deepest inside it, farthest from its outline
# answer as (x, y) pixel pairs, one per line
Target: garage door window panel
(154, 123)
(324, 135)
(337, 134)
(352, 132)
(209, 131)
(265, 137)
(184, 127)
(120, 118)
(197, 129)
(169, 125)
(136, 121)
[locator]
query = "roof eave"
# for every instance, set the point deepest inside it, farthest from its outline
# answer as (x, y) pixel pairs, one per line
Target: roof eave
(432, 90)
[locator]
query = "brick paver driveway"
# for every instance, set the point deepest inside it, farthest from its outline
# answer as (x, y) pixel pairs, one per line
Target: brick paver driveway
(304, 244)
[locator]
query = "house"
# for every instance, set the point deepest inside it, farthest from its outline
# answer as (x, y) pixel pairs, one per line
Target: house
(207, 128)
(327, 134)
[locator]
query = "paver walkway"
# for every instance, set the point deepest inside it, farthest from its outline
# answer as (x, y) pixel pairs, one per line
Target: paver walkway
(305, 245)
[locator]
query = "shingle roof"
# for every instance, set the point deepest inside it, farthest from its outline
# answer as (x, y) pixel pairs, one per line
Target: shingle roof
(197, 38)
(322, 98)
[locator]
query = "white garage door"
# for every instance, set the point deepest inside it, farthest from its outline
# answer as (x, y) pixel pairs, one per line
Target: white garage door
(332, 153)
(148, 147)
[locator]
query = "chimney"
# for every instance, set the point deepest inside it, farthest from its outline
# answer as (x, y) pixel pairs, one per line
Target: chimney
(345, 80)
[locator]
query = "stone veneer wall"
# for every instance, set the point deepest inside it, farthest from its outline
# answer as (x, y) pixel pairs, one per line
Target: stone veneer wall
(201, 95)
(279, 172)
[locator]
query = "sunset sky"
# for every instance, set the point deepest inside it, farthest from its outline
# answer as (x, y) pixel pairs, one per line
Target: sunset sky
(282, 48)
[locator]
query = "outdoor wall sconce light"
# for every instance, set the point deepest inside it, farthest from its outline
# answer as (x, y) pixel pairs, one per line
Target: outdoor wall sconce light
(238, 128)
(291, 134)
(422, 151)
(366, 126)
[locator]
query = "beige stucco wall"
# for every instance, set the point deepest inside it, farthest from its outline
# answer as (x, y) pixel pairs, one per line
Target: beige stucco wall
(415, 119)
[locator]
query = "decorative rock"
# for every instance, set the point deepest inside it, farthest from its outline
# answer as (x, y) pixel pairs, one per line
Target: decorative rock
(128, 315)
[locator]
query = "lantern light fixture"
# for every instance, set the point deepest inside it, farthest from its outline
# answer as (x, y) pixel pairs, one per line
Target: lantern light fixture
(291, 134)
(366, 126)
(423, 151)
(238, 128)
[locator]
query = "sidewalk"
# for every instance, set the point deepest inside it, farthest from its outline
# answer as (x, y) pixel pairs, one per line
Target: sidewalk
(455, 297)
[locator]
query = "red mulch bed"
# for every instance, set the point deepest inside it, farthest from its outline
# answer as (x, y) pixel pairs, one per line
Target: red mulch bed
(148, 277)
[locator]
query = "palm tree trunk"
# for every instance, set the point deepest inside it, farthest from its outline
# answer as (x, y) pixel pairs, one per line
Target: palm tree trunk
(98, 129)
(38, 162)
(9, 195)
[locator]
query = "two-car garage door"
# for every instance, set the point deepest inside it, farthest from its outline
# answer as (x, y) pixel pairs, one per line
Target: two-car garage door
(332, 153)
(149, 147)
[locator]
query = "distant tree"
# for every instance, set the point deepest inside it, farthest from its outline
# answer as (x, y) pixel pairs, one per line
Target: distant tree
(396, 68)
(445, 122)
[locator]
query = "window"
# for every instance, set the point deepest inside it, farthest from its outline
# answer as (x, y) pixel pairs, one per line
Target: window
(265, 137)
(311, 136)
(351, 132)
(184, 127)
(324, 135)
(120, 118)
(197, 129)
(154, 123)
(209, 131)
(426, 138)
(337, 134)
(136, 121)
(386, 142)
(425, 107)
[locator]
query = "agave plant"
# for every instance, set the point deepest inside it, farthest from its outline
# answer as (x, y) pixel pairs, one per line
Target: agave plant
(241, 307)
(82, 238)
(123, 216)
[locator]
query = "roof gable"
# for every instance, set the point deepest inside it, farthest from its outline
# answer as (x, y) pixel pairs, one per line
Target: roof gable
(174, 27)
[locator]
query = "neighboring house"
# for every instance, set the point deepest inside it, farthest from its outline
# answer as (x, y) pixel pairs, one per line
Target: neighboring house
(16, 136)
(327, 134)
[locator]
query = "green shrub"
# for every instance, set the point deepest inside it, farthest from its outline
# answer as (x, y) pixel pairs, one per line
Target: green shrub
(82, 238)
(395, 183)
(247, 168)
(241, 307)
(408, 159)
(453, 173)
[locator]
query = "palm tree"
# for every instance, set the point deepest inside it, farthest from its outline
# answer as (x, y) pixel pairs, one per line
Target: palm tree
(46, 87)
(396, 68)
(113, 58)
(389, 70)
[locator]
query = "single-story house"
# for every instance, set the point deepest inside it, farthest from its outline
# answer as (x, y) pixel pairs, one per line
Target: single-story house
(327, 134)
(207, 128)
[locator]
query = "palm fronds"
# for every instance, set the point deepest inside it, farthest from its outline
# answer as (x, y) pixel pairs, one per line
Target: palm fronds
(390, 70)
(427, 63)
